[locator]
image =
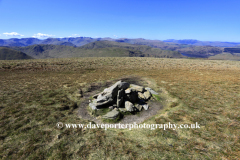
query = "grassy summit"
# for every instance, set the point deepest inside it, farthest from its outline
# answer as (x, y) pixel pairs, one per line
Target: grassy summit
(36, 94)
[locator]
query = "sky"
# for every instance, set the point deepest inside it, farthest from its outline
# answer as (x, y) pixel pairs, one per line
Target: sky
(205, 20)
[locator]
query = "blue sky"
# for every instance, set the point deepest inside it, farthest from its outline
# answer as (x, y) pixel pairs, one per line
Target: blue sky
(207, 20)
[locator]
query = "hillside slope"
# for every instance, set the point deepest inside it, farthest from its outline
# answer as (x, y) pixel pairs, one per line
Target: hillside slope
(225, 56)
(10, 54)
(96, 49)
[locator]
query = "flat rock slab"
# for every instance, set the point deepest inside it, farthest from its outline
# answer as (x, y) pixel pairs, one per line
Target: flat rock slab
(111, 115)
(151, 90)
(145, 106)
(137, 88)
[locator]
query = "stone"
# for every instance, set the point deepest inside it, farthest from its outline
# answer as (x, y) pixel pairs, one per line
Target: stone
(127, 91)
(137, 88)
(147, 95)
(120, 97)
(145, 106)
(116, 109)
(139, 107)
(141, 96)
(111, 107)
(104, 97)
(109, 101)
(129, 106)
(122, 94)
(108, 94)
(133, 97)
(93, 105)
(151, 90)
(113, 89)
(122, 109)
(96, 105)
(111, 115)
(96, 95)
(123, 85)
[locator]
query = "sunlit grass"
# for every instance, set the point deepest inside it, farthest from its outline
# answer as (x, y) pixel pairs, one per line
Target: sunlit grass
(36, 94)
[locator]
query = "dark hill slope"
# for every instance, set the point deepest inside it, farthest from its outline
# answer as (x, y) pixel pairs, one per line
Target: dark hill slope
(232, 50)
(96, 49)
(10, 54)
(147, 51)
(57, 41)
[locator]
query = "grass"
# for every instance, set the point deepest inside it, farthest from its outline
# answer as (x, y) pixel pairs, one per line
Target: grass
(36, 94)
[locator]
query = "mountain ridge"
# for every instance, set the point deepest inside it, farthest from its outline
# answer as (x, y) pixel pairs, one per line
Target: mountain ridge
(96, 49)
(80, 41)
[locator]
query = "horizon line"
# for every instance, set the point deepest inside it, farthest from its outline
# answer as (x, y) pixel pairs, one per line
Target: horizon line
(124, 38)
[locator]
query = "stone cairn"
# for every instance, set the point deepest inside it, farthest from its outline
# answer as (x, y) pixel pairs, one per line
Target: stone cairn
(123, 97)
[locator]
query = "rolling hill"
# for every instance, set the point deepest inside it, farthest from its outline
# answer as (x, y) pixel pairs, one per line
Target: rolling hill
(97, 49)
(80, 41)
(204, 43)
(225, 56)
(10, 54)
(189, 48)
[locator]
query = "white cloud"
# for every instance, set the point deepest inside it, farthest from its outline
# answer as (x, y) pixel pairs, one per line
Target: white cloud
(41, 35)
(13, 34)
(115, 36)
(74, 35)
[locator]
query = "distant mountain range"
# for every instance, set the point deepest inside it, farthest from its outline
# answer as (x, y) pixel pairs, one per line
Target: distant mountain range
(204, 43)
(80, 41)
(96, 49)
(123, 47)
(76, 42)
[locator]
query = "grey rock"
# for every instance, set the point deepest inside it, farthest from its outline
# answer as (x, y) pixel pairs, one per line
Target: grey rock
(145, 106)
(129, 106)
(139, 107)
(96, 95)
(132, 97)
(108, 94)
(122, 109)
(93, 105)
(113, 89)
(104, 97)
(107, 102)
(141, 96)
(151, 90)
(127, 91)
(120, 97)
(123, 85)
(137, 88)
(111, 115)
(147, 94)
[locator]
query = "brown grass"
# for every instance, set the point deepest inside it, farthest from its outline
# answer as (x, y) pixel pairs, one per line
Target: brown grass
(36, 94)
